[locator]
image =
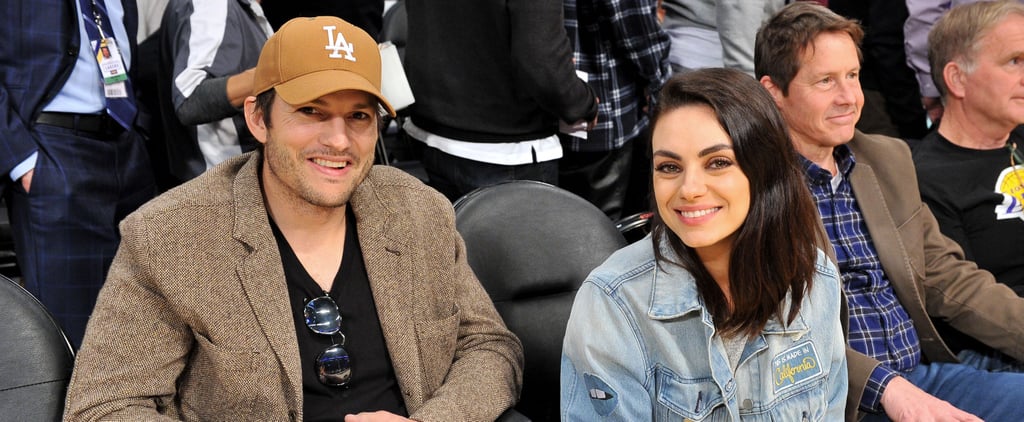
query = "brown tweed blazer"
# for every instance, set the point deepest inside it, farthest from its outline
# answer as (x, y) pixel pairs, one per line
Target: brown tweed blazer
(194, 321)
(927, 270)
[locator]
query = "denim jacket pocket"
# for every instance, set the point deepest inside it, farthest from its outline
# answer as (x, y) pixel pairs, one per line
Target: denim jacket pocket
(806, 404)
(687, 399)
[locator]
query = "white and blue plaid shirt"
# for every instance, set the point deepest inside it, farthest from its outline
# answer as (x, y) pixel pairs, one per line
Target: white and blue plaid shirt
(879, 325)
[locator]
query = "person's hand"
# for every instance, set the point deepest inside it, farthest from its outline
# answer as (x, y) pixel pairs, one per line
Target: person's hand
(26, 180)
(903, 401)
(378, 416)
(932, 106)
(239, 86)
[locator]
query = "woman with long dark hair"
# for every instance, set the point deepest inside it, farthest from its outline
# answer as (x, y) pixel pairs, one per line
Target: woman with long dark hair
(729, 310)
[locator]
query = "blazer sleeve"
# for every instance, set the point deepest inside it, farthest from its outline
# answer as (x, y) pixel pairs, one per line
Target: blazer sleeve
(970, 299)
(860, 368)
(120, 374)
(486, 374)
(28, 62)
(17, 143)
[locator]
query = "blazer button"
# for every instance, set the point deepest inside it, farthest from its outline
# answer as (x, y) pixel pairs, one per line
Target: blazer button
(72, 52)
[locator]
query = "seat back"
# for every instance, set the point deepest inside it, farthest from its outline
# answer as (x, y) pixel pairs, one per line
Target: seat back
(8, 260)
(532, 245)
(36, 358)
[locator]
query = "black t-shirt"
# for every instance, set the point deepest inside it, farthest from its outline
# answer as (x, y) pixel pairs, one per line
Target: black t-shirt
(977, 201)
(373, 386)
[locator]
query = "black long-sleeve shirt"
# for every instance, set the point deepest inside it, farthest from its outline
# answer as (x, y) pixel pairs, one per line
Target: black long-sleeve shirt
(493, 71)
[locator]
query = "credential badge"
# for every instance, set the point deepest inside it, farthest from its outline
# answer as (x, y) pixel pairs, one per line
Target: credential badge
(337, 44)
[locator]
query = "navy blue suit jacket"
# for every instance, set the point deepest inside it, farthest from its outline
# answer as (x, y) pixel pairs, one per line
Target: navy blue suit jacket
(38, 48)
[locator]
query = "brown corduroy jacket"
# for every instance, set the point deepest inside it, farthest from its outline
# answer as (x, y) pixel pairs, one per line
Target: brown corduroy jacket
(194, 321)
(926, 269)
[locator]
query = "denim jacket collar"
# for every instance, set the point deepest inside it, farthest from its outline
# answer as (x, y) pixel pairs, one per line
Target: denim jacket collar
(674, 294)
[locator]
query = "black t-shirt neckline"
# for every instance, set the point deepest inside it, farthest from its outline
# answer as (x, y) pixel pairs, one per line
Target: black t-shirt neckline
(374, 385)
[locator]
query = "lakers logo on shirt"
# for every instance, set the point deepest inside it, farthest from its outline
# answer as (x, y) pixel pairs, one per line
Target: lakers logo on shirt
(1010, 183)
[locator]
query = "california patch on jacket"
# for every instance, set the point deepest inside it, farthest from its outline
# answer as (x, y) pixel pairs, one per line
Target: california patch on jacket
(795, 366)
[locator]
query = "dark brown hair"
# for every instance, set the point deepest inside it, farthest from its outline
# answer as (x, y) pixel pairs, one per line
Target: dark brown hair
(775, 249)
(265, 103)
(783, 39)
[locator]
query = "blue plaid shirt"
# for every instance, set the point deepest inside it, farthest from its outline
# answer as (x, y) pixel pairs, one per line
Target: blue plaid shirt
(624, 51)
(879, 325)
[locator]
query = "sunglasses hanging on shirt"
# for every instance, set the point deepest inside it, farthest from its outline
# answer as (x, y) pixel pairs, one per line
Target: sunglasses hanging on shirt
(333, 365)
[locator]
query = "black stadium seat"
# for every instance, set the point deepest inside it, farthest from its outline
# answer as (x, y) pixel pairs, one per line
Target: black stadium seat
(532, 245)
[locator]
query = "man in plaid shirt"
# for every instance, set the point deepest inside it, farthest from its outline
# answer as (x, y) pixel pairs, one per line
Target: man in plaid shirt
(898, 270)
(622, 53)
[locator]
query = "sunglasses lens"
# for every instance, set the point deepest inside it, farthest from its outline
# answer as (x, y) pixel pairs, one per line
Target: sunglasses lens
(333, 366)
(322, 316)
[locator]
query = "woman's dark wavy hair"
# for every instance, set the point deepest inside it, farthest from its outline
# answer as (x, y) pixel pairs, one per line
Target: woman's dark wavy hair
(775, 248)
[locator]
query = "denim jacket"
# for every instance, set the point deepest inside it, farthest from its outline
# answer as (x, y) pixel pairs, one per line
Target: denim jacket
(640, 345)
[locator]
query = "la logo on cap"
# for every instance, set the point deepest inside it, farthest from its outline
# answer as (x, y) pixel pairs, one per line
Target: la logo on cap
(337, 44)
(301, 65)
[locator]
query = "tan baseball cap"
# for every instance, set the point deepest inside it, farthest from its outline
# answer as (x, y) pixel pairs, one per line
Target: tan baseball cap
(308, 58)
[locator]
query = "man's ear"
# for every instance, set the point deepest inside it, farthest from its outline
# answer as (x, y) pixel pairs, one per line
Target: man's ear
(774, 90)
(254, 120)
(955, 77)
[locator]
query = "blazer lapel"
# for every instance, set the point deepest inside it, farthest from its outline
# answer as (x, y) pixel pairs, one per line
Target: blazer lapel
(391, 268)
(262, 276)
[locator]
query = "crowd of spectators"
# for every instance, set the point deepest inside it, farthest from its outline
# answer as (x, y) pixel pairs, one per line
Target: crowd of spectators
(106, 104)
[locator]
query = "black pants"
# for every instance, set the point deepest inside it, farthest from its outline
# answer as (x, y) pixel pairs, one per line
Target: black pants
(65, 228)
(604, 178)
(456, 176)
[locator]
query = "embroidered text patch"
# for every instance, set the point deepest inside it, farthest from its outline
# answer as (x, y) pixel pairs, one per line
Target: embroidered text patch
(794, 366)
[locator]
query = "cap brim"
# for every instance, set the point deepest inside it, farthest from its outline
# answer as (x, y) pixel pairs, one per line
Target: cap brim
(311, 86)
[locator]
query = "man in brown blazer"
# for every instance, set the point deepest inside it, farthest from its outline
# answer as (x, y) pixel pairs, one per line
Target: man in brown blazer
(298, 282)
(898, 270)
